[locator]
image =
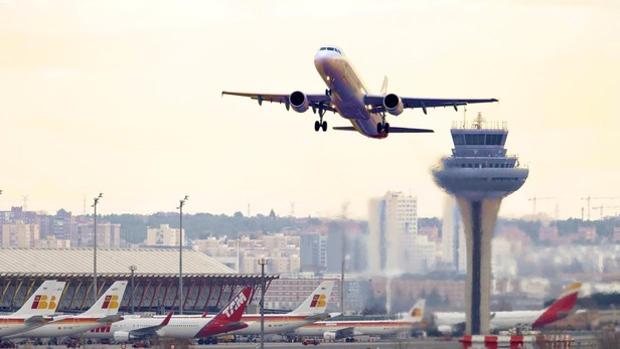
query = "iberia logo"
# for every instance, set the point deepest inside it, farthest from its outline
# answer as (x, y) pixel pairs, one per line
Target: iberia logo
(40, 302)
(318, 301)
(110, 302)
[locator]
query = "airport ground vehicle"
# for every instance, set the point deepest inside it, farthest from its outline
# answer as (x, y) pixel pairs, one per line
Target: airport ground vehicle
(310, 341)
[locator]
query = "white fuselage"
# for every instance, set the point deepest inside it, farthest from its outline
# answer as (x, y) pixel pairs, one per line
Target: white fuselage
(187, 327)
(347, 92)
(364, 327)
(65, 327)
(178, 327)
(10, 325)
(501, 320)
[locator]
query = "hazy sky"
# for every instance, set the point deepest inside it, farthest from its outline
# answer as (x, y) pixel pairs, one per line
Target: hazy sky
(123, 97)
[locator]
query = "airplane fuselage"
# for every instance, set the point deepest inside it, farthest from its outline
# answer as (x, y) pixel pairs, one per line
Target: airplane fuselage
(62, 328)
(188, 327)
(347, 92)
(368, 327)
(178, 327)
(501, 320)
(13, 325)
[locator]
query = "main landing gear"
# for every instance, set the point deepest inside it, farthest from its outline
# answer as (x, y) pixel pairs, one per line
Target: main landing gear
(320, 124)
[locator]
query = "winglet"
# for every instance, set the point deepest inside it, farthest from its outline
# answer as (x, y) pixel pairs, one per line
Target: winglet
(384, 86)
(167, 319)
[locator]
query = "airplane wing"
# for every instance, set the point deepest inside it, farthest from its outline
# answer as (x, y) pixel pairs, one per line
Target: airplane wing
(316, 100)
(37, 320)
(151, 330)
(392, 129)
(341, 333)
(376, 101)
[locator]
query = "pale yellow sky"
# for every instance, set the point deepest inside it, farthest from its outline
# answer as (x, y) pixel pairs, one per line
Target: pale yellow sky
(123, 97)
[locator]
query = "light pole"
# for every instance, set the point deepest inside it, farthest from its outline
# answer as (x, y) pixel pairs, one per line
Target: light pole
(94, 206)
(262, 261)
(132, 269)
(181, 204)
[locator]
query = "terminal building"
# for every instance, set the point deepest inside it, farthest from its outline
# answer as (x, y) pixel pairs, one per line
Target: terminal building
(207, 283)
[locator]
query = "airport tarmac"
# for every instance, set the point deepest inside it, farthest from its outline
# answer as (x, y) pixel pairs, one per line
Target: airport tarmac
(405, 344)
(412, 344)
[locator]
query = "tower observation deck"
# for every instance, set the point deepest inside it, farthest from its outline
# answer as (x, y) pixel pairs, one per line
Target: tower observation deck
(479, 173)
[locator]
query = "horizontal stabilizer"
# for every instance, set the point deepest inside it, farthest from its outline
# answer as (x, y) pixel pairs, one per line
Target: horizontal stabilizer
(392, 129)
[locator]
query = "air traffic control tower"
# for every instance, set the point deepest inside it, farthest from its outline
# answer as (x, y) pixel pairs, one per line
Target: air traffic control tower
(479, 174)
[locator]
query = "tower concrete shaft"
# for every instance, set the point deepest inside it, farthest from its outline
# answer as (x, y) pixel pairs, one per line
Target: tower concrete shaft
(479, 217)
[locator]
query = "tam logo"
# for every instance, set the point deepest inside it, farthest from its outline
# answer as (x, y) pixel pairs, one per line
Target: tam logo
(318, 301)
(110, 302)
(234, 305)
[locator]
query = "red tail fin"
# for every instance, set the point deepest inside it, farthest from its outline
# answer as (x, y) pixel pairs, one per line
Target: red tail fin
(560, 308)
(228, 319)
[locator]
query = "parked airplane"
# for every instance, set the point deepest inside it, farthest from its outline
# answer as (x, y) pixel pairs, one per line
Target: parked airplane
(37, 310)
(134, 327)
(312, 309)
(334, 330)
(347, 96)
(103, 311)
(449, 323)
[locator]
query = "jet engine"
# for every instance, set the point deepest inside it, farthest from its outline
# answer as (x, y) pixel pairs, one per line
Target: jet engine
(330, 336)
(121, 336)
(446, 330)
(393, 104)
(299, 101)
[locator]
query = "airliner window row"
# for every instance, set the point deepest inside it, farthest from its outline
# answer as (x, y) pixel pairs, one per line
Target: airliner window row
(492, 165)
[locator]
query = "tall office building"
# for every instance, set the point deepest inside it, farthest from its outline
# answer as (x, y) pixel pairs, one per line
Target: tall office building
(453, 248)
(19, 234)
(313, 252)
(163, 236)
(479, 174)
(392, 228)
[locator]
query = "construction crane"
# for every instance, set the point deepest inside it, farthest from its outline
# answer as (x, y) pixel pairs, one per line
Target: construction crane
(589, 198)
(603, 207)
(535, 199)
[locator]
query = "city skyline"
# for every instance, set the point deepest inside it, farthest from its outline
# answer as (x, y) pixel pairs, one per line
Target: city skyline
(99, 102)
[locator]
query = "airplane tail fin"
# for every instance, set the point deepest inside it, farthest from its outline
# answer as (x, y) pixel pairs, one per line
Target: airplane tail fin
(561, 307)
(417, 311)
(109, 302)
(44, 300)
(384, 86)
(316, 303)
(229, 318)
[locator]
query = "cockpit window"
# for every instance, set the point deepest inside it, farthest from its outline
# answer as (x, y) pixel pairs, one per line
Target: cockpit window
(335, 49)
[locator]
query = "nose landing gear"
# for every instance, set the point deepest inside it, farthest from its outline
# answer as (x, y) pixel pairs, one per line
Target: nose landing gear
(383, 127)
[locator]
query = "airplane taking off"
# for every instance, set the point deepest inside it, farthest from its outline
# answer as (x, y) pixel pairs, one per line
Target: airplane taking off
(104, 311)
(335, 330)
(447, 323)
(347, 96)
(37, 310)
